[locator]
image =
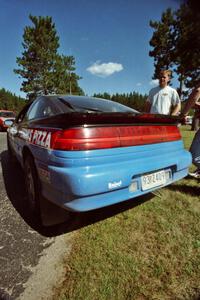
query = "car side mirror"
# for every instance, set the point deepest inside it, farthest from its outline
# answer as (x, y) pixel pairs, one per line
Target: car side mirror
(8, 122)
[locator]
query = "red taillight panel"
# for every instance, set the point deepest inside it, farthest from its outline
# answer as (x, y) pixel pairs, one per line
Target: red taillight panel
(86, 138)
(141, 135)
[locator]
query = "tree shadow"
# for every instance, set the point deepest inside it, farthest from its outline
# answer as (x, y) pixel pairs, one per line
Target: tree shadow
(15, 188)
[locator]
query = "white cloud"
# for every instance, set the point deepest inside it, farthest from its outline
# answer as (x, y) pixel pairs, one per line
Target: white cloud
(104, 69)
(154, 82)
(138, 84)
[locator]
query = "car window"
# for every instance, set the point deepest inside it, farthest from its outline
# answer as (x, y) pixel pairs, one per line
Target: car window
(42, 108)
(22, 114)
(32, 112)
(87, 104)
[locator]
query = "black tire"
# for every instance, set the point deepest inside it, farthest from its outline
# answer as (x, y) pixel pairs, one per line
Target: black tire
(32, 188)
(10, 152)
(4, 295)
(9, 147)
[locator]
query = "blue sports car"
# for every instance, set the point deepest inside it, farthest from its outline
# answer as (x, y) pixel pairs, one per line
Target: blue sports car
(84, 153)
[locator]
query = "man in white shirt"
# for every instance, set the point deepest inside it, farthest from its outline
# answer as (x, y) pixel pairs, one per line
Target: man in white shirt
(163, 99)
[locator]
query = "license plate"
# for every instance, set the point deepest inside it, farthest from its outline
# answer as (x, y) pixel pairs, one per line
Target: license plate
(152, 180)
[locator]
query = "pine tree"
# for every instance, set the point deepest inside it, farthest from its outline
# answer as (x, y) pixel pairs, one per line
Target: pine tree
(163, 41)
(44, 71)
(188, 42)
(176, 43)
(65, 78)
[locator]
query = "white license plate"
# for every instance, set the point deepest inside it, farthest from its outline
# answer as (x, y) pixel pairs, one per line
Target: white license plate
(152, 180)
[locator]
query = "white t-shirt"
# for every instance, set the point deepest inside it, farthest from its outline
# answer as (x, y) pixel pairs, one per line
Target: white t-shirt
(162, 99)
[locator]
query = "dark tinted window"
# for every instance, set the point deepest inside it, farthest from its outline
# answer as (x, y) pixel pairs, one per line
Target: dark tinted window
(87, 104)
(47, 106)
(43, 108)
(22, 114)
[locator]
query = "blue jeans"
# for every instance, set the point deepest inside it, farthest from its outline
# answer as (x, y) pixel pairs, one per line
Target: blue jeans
(195, 149)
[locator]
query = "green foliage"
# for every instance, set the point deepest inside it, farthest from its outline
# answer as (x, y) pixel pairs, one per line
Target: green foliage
(66, 80)
(10, 101)
(188, 42)
(133, 99)
(176, 43)
(45, 71)
(162, 42)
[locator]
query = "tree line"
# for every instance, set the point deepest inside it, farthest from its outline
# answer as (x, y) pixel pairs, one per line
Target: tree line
(132, 99)
(10, 101)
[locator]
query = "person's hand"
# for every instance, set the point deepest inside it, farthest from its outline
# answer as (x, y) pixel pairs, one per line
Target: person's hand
(183, 118)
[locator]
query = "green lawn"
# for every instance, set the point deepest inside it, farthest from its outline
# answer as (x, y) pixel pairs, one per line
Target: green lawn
(151, 251)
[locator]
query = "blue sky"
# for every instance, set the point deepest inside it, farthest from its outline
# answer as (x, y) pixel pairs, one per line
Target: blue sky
(109, 40)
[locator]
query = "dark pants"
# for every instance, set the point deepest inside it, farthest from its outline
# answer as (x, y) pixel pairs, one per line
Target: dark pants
(195, 149)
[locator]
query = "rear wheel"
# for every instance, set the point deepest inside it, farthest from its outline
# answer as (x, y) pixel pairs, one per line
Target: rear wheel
(10, 151)
(32, 187)
(44, 212)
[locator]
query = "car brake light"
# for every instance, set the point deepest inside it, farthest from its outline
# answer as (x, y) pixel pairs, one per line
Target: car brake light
(89, 138)
(86, 138)
(142, 135)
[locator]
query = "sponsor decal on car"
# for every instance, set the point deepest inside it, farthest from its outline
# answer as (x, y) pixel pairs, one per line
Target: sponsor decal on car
(37, 137)
(114, 185)
(41, 138)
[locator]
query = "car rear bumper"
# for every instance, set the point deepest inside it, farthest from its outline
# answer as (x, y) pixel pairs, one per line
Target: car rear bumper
(87, 180)
(102, 200)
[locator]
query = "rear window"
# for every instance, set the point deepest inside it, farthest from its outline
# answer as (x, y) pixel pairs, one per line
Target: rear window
(7, 114)
(87, 104)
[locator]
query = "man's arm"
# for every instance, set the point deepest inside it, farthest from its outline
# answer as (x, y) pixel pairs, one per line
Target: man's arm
(176, 109)
(193, 98)
(147, 106)
(176, 103)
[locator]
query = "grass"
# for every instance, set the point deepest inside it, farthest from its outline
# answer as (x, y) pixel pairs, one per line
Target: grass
(151, 251)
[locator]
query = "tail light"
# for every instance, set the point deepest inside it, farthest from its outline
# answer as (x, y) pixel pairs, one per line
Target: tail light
(111, 137)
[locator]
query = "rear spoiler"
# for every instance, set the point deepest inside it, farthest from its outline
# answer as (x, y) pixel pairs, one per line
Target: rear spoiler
(105, 118)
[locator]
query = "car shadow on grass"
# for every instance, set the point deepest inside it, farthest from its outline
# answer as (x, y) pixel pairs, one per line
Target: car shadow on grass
(15, 188)
(187, 188)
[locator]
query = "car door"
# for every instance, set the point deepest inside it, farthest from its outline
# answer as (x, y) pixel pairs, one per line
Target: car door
(34, 111)
(15, 132)
(39, 109)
